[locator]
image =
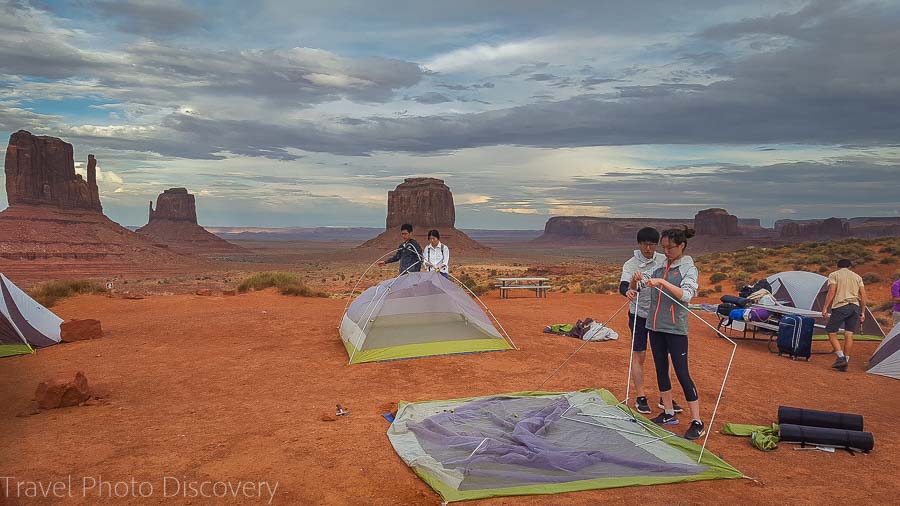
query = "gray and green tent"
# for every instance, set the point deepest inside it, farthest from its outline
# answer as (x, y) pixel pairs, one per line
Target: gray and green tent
(416, 315)
(542, 443)
(24, 323)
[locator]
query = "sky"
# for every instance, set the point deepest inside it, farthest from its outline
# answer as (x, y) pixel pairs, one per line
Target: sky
(282, 113)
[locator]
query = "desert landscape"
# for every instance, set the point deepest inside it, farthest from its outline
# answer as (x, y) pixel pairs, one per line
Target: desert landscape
(201, 375)
(344, 253)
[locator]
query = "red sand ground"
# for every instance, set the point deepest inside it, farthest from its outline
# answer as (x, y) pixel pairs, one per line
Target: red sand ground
(234, 388)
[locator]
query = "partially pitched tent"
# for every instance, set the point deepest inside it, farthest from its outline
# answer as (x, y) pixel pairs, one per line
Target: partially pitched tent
(542, 443)
(886, 359)
(415, 315)
(24, 324)
(808, 290)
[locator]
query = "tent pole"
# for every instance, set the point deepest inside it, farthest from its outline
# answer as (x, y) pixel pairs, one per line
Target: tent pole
(350, 298)
(580, 347)
(486, 309)
(631, 351)
(727, 369)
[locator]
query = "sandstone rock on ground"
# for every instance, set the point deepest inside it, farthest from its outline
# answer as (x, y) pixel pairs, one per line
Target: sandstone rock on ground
(80, 330)
(59, 393)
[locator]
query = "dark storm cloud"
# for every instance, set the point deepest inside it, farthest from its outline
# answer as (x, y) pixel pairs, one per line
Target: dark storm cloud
(149, 17)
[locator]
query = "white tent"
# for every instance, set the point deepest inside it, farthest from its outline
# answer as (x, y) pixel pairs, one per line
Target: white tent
(808, 290)
(886, 359)
(24, 324)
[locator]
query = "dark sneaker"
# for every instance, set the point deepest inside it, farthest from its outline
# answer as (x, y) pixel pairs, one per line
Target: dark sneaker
(695, 430)
(664, 419)
(840, 364)
(641, 405)
(675, 406)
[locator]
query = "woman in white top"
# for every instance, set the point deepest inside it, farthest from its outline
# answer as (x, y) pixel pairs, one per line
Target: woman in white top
(436, 254)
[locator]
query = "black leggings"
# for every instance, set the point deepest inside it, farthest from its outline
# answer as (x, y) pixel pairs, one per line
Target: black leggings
(663, 344)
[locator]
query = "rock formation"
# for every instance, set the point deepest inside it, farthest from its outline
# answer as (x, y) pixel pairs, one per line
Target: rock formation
(425, 203)
(55, 222)
(716, 222)
(174, 224)
(421, 201)
(813, 230)
(588, 229)
(40, 170)
(59, 393)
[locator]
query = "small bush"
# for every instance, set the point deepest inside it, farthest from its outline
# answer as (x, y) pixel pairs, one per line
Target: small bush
(50, 293)
(285, 282)
(741, 279)
(717, 288)
(871, 277)
(888, 260)
(823, 269)
(473, 285)
(718, 276)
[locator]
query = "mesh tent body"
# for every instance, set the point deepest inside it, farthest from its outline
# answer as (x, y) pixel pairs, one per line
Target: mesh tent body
(886, 359)
(414, 315)
(808, 290)
(542, 443)
(24, 324)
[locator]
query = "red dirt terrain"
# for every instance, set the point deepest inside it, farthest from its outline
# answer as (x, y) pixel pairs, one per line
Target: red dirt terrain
(237, 388)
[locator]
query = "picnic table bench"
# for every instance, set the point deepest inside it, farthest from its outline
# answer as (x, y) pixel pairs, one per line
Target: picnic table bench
(539, 285)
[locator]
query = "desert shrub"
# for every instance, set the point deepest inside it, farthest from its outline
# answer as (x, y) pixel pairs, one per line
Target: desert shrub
(871, 277)
(705, 292)
(50, 293)
(718, 276)
(285, 282)
(597, 286)
(888, 249)
(473, 285)
(888, 260)
(823, 269)
(717, 288)
(741, 279)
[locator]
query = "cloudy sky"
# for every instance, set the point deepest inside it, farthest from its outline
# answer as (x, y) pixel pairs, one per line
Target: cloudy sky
(305, 113)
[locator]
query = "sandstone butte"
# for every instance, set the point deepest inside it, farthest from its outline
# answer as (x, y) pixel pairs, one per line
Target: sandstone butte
(55, 216)
(425, 203)
(174, 223)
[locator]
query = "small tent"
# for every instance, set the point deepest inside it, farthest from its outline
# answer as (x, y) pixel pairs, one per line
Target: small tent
(415, 315)
(886, 359)
(808, 290)
(24, 324)
(542, 443)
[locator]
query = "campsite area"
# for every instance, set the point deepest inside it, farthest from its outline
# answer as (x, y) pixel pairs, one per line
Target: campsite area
(244, 388)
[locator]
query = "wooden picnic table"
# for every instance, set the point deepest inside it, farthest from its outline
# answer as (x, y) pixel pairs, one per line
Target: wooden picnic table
(539, 285)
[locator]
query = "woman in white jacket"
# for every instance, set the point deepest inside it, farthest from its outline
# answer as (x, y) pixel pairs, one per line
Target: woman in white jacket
(436, 254)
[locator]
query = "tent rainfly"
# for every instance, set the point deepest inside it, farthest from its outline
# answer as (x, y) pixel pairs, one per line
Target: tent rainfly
(886, 359)
(416, 315)
(24, 324)
(808, 290)
(542, 443)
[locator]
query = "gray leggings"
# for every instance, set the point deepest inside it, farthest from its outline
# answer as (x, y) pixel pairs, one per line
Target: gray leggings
(663, 345)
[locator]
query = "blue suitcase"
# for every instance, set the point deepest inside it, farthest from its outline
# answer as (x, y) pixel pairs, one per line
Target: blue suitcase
(795, 336)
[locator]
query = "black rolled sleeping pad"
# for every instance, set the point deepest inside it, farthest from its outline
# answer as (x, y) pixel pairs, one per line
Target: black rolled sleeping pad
(737, 301)
(857, 440)
(814, 418)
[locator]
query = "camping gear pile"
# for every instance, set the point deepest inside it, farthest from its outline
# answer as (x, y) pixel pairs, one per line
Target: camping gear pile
(586, 330)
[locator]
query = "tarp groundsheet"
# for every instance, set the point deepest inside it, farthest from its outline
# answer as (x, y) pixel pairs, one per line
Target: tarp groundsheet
(542, 443)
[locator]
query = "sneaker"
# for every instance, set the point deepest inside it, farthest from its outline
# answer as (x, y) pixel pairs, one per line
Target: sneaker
(641, 405)
(675, 406)
(840, 364)
(664, 419)
(695, 430)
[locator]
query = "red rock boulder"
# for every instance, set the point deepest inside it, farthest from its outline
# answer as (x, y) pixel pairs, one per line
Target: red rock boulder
(58, 393)
(80, 330)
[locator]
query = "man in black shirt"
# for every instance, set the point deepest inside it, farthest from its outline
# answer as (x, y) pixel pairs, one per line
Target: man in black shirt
(409, 253)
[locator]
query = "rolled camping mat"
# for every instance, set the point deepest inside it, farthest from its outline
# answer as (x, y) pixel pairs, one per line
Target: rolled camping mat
(813, 418)
(790, 433)
(737, 301)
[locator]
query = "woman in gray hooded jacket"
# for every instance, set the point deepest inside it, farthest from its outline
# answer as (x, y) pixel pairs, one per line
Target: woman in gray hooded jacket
(668, 325)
